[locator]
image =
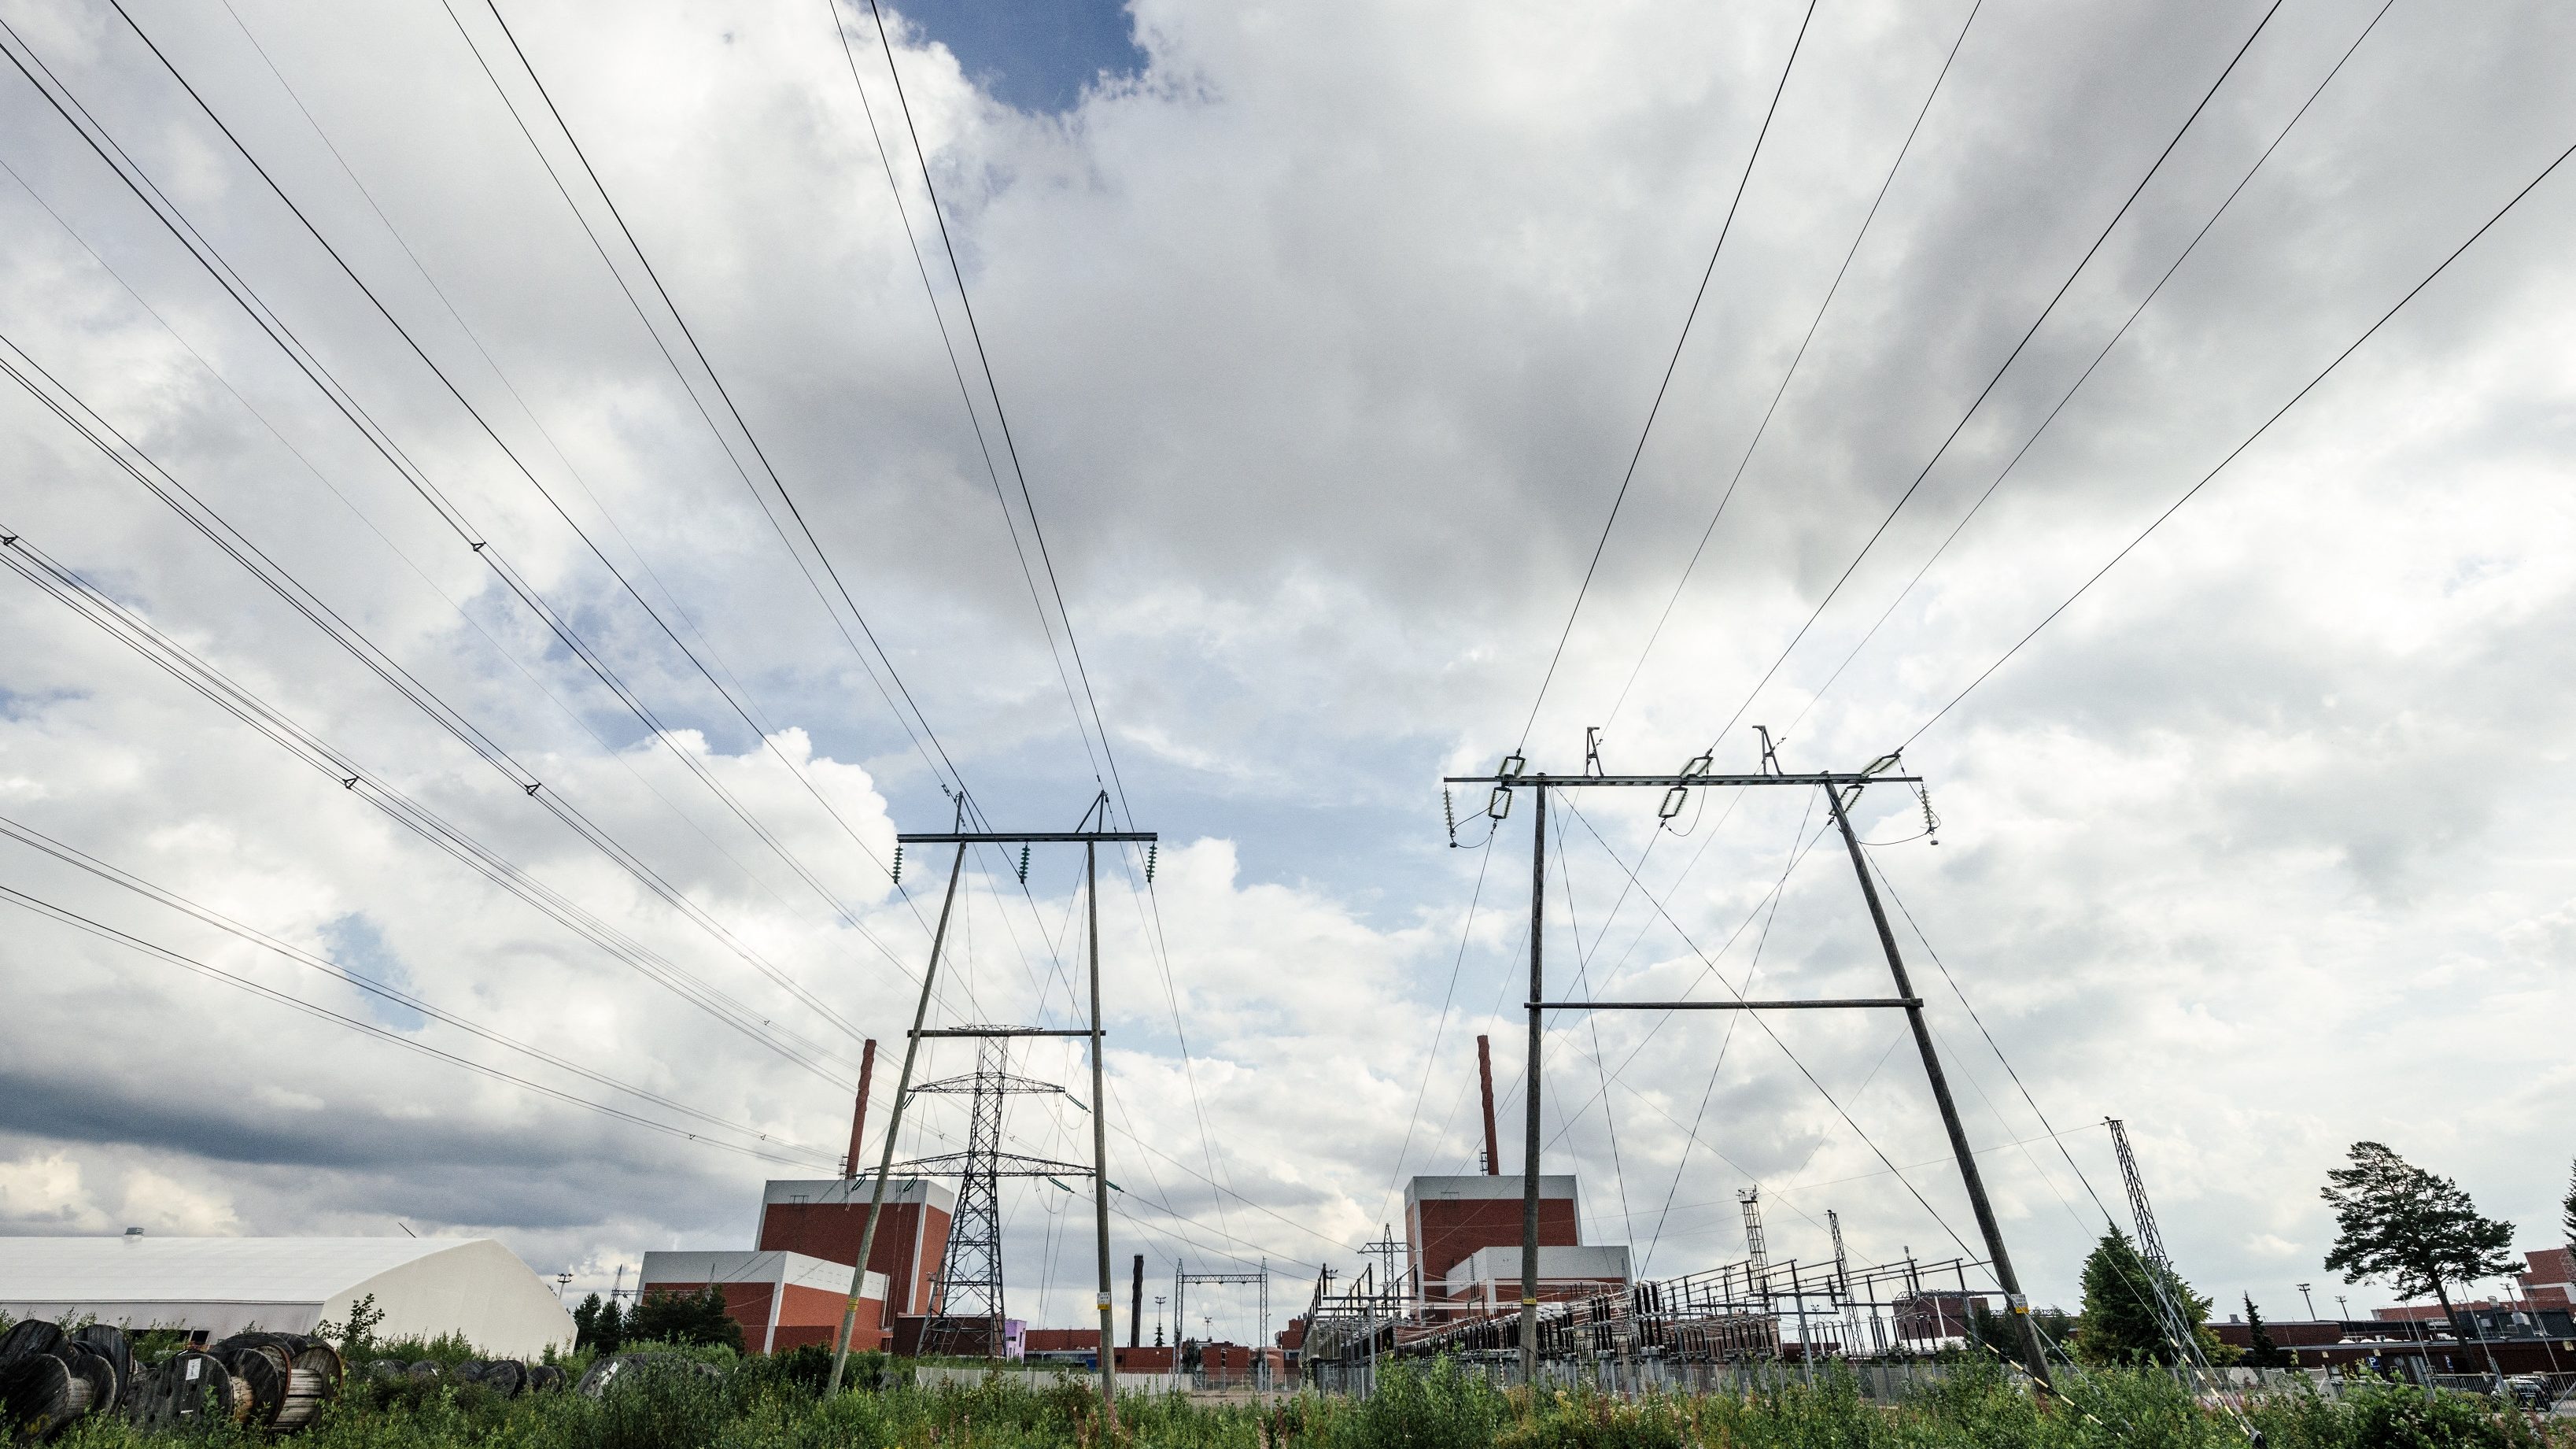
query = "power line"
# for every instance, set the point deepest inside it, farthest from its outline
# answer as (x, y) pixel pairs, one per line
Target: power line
(2250, 439)
(464, 615)
(1158, 944)
(2086, 376)
(1001, 415)
(1665, 383)
(1764, 426)
(724, 394)
(2006, 366)
(141, 467)
(480, 543)
(80, 860)
(380, 1033)
(956, 369)
(22, 557)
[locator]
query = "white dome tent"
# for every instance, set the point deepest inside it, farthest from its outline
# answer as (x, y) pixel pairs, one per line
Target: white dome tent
(422, 1286)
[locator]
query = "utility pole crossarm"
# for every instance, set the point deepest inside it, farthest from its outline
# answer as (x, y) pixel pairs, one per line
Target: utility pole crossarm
(1028, 837)
(1655, 782)
(1905, 1002)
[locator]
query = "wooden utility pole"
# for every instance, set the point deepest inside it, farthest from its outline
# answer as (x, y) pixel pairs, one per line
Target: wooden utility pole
(1100, 1142)
(1090, 840)
(1529, 1153)
(1697, 776)
(894, 1120)
(2033, 1358)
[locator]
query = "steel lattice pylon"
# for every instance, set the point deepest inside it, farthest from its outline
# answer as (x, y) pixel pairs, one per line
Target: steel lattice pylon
(2151, 1244)
(967, 1295)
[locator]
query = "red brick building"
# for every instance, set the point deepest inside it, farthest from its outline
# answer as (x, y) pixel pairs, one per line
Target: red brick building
(782, 1300)
(1446, 1219)
(2551, 1282)
(826, 1218)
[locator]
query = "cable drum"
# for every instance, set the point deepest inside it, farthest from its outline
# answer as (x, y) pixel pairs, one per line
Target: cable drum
(96, 1375)
(262, 1369)
(30, 1335)
(185, 1386)
(41, 1394)
(109, 1342)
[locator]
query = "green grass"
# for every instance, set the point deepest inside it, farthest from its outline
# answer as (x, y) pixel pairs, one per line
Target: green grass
(776, 1403)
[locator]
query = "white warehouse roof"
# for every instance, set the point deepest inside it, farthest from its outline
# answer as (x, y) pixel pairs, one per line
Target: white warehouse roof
(423, 1286)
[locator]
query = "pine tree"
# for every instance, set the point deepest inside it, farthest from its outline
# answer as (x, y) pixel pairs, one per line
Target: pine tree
(2568, 1222)
(609, 1332)
(2123, 1321)
(585, 1322)
(2264, 1353)
(2419, 1232)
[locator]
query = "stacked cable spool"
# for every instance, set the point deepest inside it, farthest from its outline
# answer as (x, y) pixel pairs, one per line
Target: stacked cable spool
(50, 1378)
(507, 1377)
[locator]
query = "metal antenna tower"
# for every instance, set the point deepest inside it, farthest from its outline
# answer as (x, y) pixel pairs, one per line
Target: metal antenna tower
(1756, 1251)
(968, 1295)
(1843, 1285)
(2151, 1244)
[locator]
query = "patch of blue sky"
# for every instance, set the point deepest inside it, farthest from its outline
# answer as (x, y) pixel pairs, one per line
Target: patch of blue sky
(356, 944)
(1035, 55)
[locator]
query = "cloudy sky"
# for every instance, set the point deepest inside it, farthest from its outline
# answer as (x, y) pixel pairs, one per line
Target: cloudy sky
(1325, 336)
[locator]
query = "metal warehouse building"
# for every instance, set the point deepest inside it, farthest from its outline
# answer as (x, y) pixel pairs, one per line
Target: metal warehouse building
(425, 1286)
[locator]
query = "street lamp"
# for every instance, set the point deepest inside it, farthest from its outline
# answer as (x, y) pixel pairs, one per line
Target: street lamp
(2312, 1303)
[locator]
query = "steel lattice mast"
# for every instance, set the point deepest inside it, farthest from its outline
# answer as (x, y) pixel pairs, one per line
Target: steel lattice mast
(2151, 1244)
(969, 1295)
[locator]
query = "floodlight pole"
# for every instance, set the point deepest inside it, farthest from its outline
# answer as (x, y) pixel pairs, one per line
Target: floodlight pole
(894, 1119)
(2033, 1358)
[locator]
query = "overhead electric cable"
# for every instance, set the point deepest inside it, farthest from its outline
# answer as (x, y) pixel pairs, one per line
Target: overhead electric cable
(1997, 378)
(369, 1028)
(723, 393)
(464, 615)
(143, 469)
(2134, 313)
(1764, 426)
(1665, 383)
(78, 859)
(481, 543)
(1001, 415)
(957, 370)
(22, 557)
(2250, 439)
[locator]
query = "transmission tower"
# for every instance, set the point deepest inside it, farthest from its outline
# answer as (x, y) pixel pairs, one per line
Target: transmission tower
(968, 1295)
(1755, 1249)
(1843, 1286)
(2151, 1244)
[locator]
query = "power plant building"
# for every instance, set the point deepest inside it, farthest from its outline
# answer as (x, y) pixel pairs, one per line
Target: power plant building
(825, 1219)
(782, 1300)
(789, 1290)
(1446, 1219)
